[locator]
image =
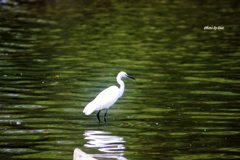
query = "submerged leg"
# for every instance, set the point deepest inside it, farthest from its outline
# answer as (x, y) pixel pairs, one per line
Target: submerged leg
(98, 114)
(105, 116)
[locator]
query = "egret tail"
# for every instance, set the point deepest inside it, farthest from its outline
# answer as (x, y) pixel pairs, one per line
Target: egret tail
(89, 109)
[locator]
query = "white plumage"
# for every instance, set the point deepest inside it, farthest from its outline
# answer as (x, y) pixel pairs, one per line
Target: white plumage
(103, 100)
(106, 98)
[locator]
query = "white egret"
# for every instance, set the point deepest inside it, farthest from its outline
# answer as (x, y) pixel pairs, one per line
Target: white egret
(107, 97)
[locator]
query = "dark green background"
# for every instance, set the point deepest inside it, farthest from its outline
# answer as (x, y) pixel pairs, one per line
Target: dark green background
(56, 55)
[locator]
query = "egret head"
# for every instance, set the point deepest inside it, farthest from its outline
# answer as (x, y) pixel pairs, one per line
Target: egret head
(124, 74)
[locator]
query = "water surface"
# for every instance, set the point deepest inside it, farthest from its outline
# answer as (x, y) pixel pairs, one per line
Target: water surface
(55, 56)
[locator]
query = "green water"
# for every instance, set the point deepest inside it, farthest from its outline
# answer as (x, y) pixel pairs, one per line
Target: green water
(55, 56)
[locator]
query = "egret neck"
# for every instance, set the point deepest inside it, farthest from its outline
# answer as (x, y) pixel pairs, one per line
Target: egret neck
(122, 86)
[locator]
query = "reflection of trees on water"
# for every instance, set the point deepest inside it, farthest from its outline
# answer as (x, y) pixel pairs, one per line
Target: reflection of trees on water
(110, 145)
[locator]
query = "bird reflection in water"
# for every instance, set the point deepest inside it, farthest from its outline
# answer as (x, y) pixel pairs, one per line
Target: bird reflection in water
(111, 146)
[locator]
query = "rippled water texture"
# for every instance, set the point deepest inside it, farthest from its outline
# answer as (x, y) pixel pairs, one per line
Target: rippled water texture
(56, 55)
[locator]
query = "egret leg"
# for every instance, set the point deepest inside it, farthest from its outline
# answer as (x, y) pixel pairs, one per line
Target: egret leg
(98, 116)
(105, 116)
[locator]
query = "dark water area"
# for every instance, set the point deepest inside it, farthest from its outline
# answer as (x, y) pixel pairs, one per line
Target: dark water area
(55, 56)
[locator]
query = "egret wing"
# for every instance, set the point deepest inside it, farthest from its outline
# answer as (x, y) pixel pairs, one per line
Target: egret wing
(107, 97)
(103, 100)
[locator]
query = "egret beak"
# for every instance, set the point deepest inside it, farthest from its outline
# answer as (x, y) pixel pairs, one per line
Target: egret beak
(130, 77)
